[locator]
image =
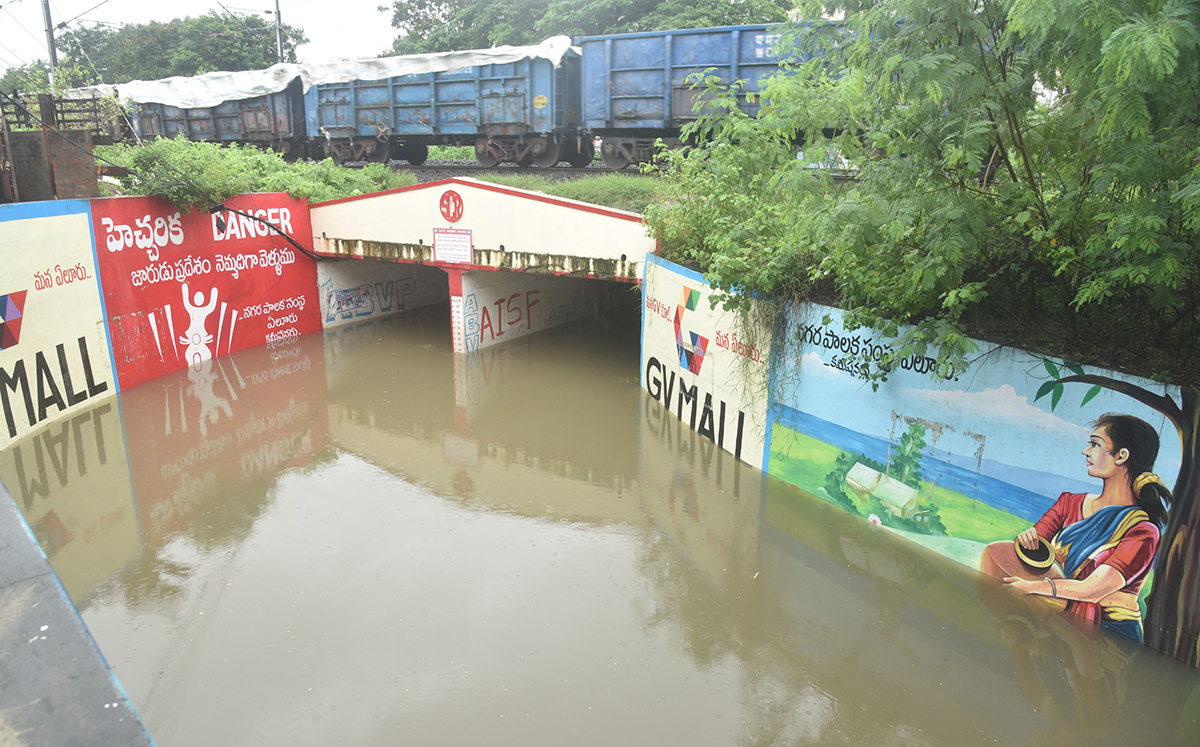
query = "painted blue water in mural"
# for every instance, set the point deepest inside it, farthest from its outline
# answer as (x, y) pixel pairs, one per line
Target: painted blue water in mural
(999, 494)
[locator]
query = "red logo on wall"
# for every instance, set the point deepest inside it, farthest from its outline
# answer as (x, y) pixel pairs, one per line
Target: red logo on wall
(451, 205)
(12, 308)
(182, 289)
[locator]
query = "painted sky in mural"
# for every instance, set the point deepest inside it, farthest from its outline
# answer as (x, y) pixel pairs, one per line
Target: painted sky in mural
(991, 415)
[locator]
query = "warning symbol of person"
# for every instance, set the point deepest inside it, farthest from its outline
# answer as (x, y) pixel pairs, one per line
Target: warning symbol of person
(451, 205)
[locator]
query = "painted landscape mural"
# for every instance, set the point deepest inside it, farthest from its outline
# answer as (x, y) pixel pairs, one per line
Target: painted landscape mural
(964, 466)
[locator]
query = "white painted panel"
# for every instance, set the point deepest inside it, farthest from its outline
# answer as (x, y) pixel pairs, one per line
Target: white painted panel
(693, 364)
(58, 362)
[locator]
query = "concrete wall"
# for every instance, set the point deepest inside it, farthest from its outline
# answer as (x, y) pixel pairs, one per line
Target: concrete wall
(73, 164)
(31, 165)
(54, 358)
(496, 307)
(951, 465)
(355, 290)
(183, 288)
(695, 364)
(67, 171)
(463, 222)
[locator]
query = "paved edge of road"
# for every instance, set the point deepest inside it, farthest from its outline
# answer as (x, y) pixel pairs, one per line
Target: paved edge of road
(55, 686)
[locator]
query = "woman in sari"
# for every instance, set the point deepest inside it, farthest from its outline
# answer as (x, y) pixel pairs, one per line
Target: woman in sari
(1105, 542)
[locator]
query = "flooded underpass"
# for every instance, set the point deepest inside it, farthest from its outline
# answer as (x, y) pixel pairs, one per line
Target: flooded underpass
(361, 538)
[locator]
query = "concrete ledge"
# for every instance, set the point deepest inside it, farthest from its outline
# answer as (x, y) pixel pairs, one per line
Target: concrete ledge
(55, 686)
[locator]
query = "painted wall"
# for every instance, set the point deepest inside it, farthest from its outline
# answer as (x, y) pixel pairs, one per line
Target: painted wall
(355, 290)
(951, 465)
(502, 221)
(179, 289)
(697, 366)
(54, 359)
(498, 307)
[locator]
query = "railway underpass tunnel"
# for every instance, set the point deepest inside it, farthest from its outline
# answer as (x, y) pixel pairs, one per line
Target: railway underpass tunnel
(506, 262)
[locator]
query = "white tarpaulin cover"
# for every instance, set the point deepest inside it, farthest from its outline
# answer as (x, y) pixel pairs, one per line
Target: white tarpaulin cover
(210, 89)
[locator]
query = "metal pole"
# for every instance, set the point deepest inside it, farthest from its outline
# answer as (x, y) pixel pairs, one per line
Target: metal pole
(50, 39)
(278, 33)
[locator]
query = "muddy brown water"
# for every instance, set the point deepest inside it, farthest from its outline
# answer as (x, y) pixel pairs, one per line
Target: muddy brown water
(363, 539)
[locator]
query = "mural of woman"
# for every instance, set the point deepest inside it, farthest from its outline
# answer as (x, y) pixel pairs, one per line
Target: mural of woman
(1105, 542)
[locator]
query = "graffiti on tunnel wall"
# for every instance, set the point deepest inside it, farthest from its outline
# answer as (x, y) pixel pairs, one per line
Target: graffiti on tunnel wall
(356, 290)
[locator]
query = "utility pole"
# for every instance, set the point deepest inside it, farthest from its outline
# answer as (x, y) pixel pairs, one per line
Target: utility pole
(278, 33)
(50, 38)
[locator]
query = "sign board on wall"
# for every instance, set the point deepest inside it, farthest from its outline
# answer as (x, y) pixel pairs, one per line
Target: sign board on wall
(452, 245)
(54, 356)
(182, 288)
(697, 364)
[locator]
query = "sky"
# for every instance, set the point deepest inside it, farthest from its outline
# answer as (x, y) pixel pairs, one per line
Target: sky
(341, 29)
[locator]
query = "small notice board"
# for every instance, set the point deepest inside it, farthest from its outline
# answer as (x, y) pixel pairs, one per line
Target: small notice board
(452, 245)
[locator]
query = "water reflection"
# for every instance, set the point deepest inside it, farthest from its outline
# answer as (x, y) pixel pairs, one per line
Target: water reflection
(364, 539)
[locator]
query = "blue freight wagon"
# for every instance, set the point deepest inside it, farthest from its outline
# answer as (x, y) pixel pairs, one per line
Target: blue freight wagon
(636, 87)
(274, 120)
(524, 111)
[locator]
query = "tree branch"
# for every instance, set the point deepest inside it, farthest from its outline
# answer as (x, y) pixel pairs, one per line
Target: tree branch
(1161, 403)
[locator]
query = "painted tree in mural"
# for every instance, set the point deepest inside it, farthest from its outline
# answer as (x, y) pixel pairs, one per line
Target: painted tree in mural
(1173, 607)
(1024, 173)
(906, 459)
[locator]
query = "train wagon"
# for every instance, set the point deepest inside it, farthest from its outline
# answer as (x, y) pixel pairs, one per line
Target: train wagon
(274, 120)
(513, 104)
(636, 87)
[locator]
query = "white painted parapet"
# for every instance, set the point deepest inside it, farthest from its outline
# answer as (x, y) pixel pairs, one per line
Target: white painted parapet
(471, 224)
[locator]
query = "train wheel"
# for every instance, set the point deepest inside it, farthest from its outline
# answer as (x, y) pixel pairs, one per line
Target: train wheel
(334, 152)
(615, 160)
(484, 156)
(376, 153)
(415, 154)
(549, 156)
(582, 158)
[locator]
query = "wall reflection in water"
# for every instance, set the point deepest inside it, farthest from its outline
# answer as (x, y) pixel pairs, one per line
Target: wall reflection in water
(362, 538)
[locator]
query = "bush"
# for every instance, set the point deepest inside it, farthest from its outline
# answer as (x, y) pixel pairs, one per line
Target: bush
(451, 153)
(195, 175)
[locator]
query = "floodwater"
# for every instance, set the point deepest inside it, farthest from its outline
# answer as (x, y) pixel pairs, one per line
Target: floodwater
(363, 539)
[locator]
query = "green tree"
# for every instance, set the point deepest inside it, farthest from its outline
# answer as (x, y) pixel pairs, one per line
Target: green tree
(444, 25)
(183, 46)
(1025, 172)
(906, 459)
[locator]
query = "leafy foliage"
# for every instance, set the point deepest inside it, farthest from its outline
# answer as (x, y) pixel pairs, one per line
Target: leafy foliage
(444, 25)
(183, 46)
(1026, 173)
(195, 175)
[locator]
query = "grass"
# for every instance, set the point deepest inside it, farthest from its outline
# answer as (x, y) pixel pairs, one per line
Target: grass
(804, 461)
(623, 192)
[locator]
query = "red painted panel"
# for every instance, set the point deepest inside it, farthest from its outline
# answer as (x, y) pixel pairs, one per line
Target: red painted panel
(178, 290)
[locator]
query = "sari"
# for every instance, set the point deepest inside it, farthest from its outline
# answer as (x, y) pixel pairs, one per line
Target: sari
(1122, 537)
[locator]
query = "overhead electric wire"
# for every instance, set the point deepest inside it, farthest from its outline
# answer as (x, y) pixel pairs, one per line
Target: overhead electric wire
(235, 17)
(63, 25)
